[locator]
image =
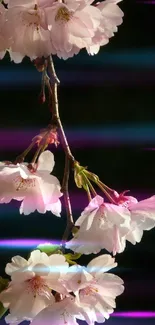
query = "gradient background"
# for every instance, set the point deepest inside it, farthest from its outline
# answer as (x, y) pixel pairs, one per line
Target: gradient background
(107, 105)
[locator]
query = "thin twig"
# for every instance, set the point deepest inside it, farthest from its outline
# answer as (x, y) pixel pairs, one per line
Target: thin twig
(22, 156)
(88, 193)
(53, 92)
(64, 189)
(36, 154)
(90, 185)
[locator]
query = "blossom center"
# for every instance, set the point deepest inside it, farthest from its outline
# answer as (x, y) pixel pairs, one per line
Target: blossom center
(36, 285)
(24, 184)
(31, 18)
(63, 14)
(88, 291)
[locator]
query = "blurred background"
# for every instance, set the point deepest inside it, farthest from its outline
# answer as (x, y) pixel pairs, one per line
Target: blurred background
(107, 105)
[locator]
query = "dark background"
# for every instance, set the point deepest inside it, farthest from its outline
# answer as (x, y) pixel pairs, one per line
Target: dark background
(107, 105)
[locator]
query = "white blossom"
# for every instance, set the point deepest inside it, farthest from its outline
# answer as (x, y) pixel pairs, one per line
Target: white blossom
(111, 18)
(38, 190)
(38, 28)
(142, 217)
(94, 288)
(102, 225)
(60, 313)
(31, 283)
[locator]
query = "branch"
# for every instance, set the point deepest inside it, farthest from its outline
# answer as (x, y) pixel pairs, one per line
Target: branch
(53, 92)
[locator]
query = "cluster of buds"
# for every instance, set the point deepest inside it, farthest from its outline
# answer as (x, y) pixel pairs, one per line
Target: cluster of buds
(46, 137)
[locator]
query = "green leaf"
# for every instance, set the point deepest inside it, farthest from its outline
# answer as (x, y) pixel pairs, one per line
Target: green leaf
(78, 179)
(49, 249)
(2, 310)
(71, 262)
(72, 257)
(3, 285)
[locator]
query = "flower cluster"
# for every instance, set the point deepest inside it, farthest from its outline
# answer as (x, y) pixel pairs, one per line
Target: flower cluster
(50, 287)
(45, 289)
(109, 226)
(33, 185)
(38, 28)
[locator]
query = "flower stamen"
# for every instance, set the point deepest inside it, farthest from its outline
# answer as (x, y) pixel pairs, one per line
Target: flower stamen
(24, 184)
(36, 285)
(88, 291)
(63, 14)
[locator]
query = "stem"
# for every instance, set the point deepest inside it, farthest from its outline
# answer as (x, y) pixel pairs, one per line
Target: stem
(90, 185)
(36, 154)
(88, 193)
(105, 186)
(106, 193)
(53, 92)
(64, 189)
(21, 157)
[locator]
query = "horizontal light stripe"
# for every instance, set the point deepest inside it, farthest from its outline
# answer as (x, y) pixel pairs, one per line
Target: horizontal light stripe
(135, 134)
(135, 314)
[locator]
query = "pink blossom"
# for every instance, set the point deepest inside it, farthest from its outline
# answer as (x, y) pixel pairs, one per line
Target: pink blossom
(29, 29)
(94, 288)
(31, 281)
(142, 216)
(102, 225)
(111, 18)
(38, 28)
(4, 39)
(73, 24)
(37, 189)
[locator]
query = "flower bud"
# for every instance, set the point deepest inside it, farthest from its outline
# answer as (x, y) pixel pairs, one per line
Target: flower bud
(47, 137)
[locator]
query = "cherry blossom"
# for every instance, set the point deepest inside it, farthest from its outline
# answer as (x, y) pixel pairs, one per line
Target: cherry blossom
(142, 216)
(4, 40)
(72, 24)
(38, 190)
(102, 225)
(111, 18)
(29, 30)
(86, 293)
(60, 313)
(94, 295)
(38, 28)
(94, 288)
(31, 283)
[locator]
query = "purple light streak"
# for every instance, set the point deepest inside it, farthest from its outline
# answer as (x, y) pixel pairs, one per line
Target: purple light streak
(135, 314)
(25, 243)
(19, 139)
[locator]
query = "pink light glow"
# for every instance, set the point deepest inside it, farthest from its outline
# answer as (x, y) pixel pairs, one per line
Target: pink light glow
(135, 314)
(24, 243)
